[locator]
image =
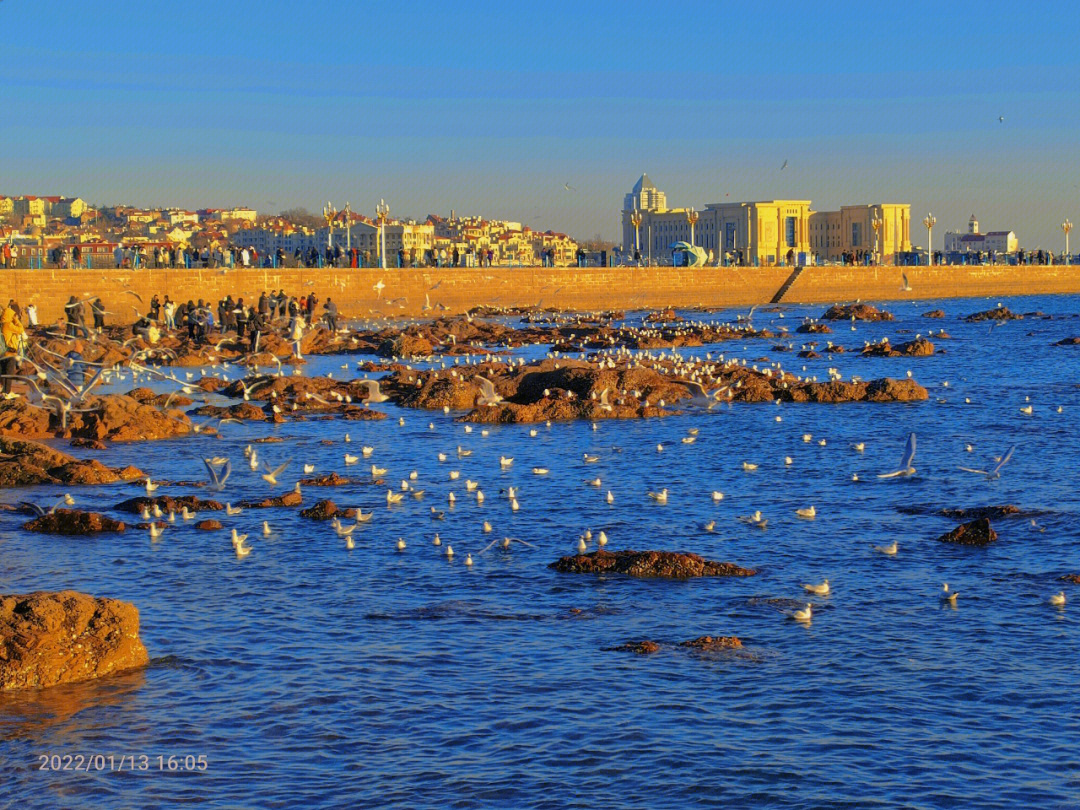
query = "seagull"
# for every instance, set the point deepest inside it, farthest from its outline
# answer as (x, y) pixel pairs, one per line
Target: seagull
(1058, 599)
(395, 497)
(701, 397)
(808, 514)
(568, 187)
(784, 166)
(241, 550)
(150, 486)
(155, 531)
(217, 478)
(889, 550)
(271, 475)
(905, 467)
(947, 595)
(374, 394)
(820, 590)
(803, 615)
(232, 510)
(488, 395)
(540, 471)
(995, 471)
(905, 285)
(660, 497)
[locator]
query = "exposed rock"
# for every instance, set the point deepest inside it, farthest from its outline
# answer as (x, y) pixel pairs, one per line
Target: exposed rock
(242, 410)
(996, 314)
(667, 564)
(74, 522)
(53, 638)
(291, 498)
(934, 313)
(210, 384)
(976, 533)
(809, 354)
(814, 328)
(711, 644)
(21, 419)
(354, 413)
(148, 397)
(121, 418)
(1070, 341)
(326, 510)
(25, 463)
(168, 503)
(639, 647)
(858, 312)
(88, 444)
(979, 512)
(920, 347)
(1073, 578)
(405, 345)
(208, 525)
(331, 480)
(889, 390)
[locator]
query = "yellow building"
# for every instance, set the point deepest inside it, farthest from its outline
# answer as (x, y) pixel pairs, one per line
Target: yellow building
(766, 232)
(852, 231)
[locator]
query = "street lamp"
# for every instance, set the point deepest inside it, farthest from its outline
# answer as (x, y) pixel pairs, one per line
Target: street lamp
(347, 211)
(929, 221)
(382, 213)
(876, 223)
(329, 213)
(635, 220)
(692, 218)
(1067, 226)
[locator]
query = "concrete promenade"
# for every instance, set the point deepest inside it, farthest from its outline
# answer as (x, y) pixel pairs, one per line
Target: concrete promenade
(458, 289)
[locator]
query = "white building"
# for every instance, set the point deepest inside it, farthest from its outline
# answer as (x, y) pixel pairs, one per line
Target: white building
(267, 241)
(997, 242)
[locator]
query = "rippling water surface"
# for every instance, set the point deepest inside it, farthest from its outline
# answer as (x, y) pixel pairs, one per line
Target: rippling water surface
(310, 674)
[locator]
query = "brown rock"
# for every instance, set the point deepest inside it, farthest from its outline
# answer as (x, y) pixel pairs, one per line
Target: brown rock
(242, 410)
(812, 328)
(639, 647)
(976, 533)
(997, 314)
(889, 390)
(405, 345)
(52, 638)
(168, 504)
(920, 347)
(89, 444)
(292, 498)
(73, 522)
(934, 313)
(987, 512)
(326, 510)
(1070, 341)
(710, 644)
(331, 480)
(666, 564)
(208, 525)
(121, 418)
(860, 312)
(1073, 578)
(21, 419)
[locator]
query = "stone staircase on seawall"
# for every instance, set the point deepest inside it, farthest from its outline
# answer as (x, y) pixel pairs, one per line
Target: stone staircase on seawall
(776, 299)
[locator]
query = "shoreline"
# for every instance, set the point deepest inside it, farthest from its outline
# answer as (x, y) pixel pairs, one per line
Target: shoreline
(430, 292)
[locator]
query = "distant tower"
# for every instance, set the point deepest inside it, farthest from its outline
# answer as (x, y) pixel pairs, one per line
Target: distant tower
(973, 225)
(644, 197)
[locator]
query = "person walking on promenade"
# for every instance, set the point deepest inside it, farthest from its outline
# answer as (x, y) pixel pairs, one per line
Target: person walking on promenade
(331, 314)
(13, 338)
(31, 315)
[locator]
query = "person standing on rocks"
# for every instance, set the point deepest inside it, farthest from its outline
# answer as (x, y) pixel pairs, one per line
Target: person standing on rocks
(98, 310)
(331, 314)
(14, 338)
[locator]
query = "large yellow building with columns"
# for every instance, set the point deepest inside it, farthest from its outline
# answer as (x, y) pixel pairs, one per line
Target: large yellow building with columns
(766, 232)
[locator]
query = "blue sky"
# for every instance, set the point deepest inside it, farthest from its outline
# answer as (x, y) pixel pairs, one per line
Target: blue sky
(491, 107)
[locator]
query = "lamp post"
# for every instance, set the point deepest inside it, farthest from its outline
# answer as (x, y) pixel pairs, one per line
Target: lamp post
(929, 221)
(382, 213)
(329, 212)
(876, 223)
(692, 218)
(635, 220)
(1067, 226)
(347, 211)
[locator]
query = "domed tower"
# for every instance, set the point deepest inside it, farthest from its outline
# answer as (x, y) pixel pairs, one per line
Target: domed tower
(973, 225)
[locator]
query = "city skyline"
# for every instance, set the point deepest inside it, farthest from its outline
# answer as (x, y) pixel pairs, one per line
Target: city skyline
(497, 114)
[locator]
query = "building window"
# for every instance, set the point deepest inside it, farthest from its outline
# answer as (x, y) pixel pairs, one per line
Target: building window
(789, 231)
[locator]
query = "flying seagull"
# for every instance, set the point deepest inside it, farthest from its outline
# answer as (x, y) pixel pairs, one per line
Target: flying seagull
(784, 166)
(905, 467)
(569, 187)
(995, 471)
(906, 286)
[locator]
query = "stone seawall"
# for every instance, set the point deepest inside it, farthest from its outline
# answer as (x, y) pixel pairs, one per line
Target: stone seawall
(406, 292)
